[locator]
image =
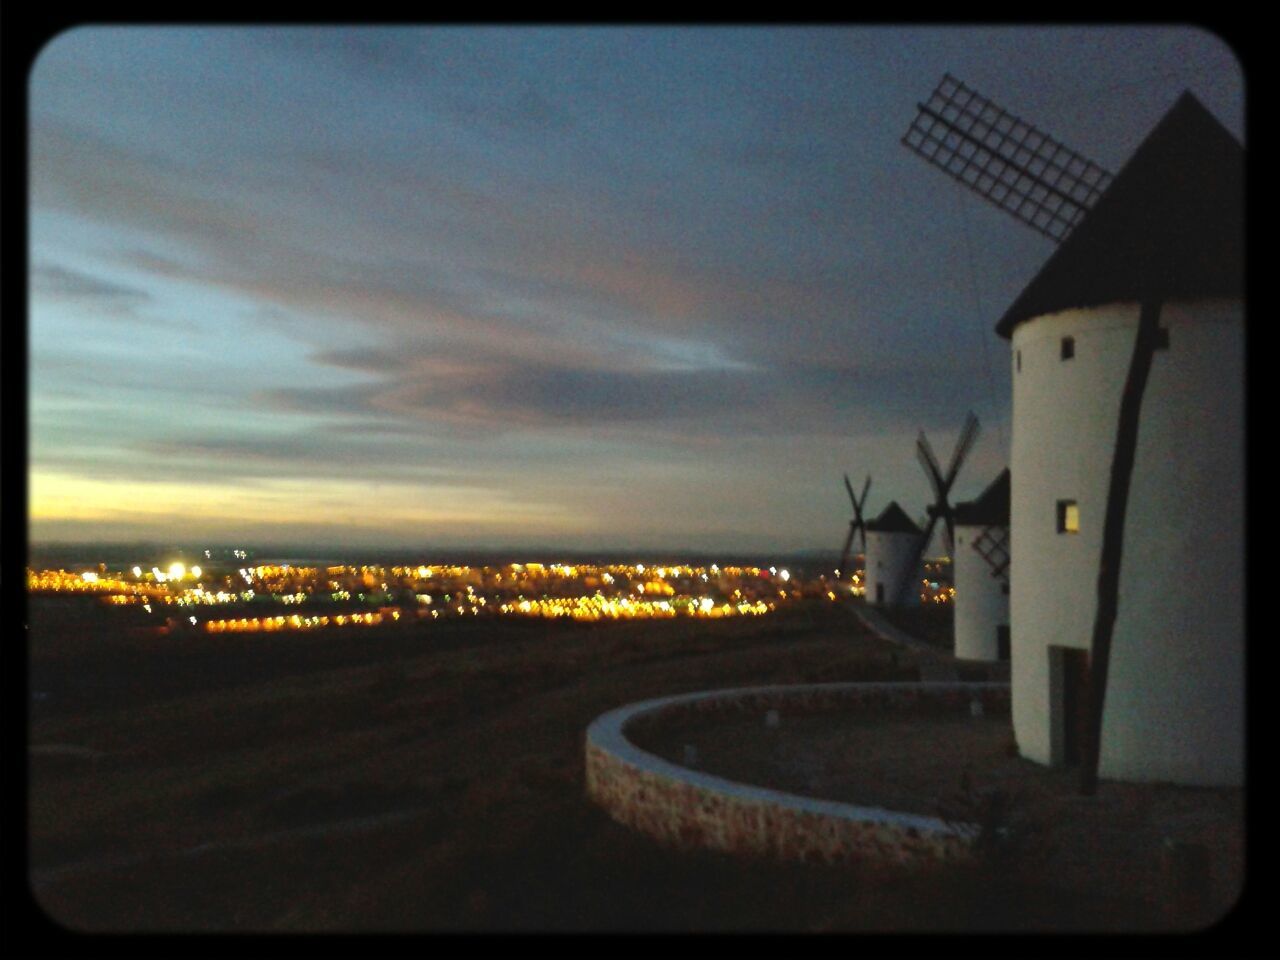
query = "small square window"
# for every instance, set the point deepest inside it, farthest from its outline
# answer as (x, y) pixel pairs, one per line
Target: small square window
(1004, 588)
(1018, 360)
(1068, 347)
(1068, 516)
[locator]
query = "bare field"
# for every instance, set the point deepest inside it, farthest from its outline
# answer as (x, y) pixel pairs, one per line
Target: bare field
(411, 781)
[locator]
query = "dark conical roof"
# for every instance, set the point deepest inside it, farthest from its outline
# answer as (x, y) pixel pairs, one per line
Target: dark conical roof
(893, 519)
(1171, 225)
(990, 509)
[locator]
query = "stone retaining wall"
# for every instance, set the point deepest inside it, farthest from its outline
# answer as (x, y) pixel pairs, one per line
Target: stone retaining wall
(688, 808)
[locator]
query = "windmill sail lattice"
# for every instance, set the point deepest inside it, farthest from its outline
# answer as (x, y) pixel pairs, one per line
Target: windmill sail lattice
(993, 546)
(1005, 160)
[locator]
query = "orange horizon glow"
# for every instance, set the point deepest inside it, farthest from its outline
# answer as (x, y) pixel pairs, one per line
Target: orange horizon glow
(209, 509)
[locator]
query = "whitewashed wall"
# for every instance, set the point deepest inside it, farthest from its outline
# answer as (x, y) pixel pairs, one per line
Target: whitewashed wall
(1174, 708)
(888, 557)
(981, 605)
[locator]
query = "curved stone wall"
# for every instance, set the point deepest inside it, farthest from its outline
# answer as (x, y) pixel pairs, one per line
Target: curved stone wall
(688, 808)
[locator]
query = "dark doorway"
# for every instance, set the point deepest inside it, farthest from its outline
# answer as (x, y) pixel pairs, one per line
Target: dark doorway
(1075, 704)
(1002, 641)
(880, 593)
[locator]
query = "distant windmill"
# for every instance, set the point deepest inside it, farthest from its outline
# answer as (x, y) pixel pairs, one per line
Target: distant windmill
(980, 566)
(1159, 243)
(941, 484)
(941, 507)
(857, 526)
(892, 556)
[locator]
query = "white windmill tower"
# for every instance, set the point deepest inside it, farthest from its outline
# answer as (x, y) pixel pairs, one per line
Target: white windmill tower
(1127, 608)
(892, 556)
(980, 565)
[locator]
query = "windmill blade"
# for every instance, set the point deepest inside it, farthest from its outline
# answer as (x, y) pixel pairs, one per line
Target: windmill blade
(949, 531)
(848, 542)
(935, 481)
(1006, 161)
(858, 525)
(924, 453)
(940, 507)
(918, 555)
(943, 511)
(857, 512)
(857, 505)
(968, 434)
(852, 499)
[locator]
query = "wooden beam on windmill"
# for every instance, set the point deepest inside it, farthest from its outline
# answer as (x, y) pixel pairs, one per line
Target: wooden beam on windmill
(941, 507)
(856, 525)
(1005, 160)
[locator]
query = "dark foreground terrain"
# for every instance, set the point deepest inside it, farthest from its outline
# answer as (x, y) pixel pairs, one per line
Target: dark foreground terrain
(403, 780)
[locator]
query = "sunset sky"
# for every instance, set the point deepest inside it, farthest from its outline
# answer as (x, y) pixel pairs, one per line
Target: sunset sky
(611, 288)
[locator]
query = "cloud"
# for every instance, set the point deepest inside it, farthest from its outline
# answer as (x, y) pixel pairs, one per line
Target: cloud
(54, 281)
(477, 313)
(403, 252)
(496, 395)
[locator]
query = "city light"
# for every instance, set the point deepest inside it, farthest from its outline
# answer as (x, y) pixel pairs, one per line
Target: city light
(241, 599)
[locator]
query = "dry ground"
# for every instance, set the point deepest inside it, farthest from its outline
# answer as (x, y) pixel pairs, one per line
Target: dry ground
(402, 781)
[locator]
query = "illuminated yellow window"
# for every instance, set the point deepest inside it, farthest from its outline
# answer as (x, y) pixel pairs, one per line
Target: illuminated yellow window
(1068, 516)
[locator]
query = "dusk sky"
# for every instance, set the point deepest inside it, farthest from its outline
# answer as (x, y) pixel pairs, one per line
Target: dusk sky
(611, 288)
